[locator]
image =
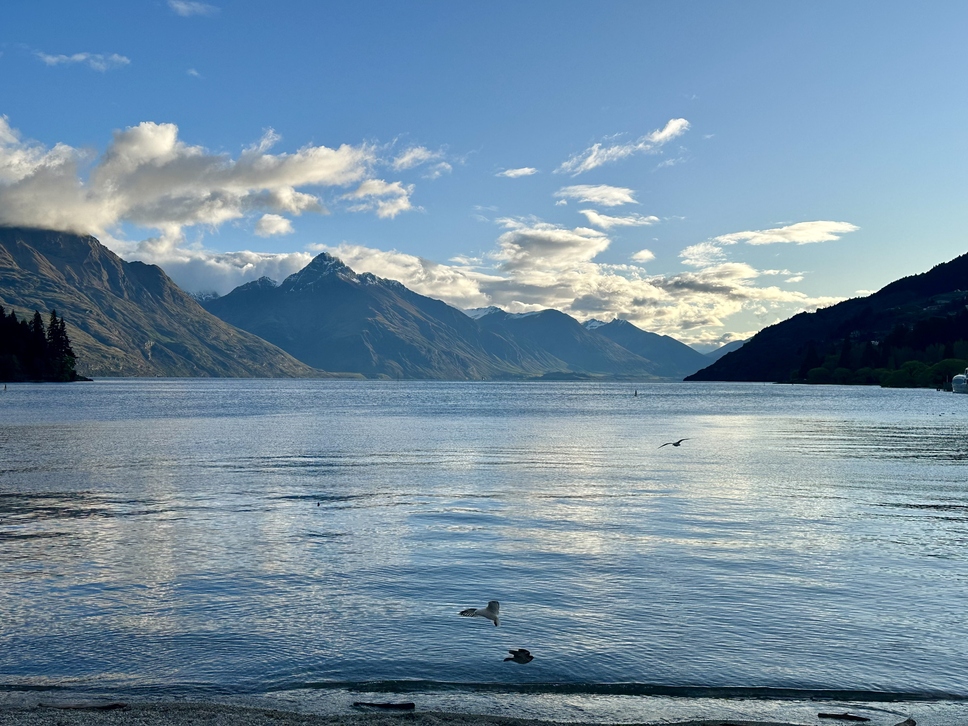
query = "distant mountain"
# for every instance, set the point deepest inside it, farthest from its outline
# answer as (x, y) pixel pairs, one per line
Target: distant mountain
(583, 351)
(126, 318)
(329, 316)
(672, 358)
(715, 355)
(912, 325)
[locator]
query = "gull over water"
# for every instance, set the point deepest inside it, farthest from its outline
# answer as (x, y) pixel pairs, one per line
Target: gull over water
(490, 612)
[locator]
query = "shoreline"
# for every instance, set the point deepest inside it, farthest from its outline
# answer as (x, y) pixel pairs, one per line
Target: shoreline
(106, 712)
(114, 713)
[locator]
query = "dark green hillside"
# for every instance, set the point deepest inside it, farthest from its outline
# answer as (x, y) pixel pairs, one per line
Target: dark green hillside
(913, 332)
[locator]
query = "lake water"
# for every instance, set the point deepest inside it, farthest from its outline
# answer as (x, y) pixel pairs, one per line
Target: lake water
(310, 543)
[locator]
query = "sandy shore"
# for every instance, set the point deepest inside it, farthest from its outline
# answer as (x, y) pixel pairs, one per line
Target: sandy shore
(207, 714)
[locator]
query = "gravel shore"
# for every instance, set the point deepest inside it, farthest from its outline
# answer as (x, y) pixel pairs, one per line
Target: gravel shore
(207, 714)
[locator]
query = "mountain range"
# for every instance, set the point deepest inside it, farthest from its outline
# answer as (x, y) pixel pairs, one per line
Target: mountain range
(130, 319)
(127, 318)
(330, 317)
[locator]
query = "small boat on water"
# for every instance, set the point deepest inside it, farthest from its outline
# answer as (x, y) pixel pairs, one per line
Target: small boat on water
(959, 383)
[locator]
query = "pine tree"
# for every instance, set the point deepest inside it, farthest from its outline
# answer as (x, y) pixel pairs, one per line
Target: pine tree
(60, 353)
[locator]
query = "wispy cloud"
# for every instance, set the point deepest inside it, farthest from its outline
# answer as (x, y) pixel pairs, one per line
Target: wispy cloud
(606, 222)
(704, 254)
(515, 173)
(800, 233)
(599, 153)
(186, 9)
(603, 194)
(96, 61)
(193, 73)
(415, 156)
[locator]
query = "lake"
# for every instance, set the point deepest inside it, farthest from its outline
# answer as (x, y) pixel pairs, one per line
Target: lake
(307, 543)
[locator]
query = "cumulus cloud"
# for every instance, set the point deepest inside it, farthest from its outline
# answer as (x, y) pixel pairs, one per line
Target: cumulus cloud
(800, 233)
(148, 177)
(186, 9)
(539, 247)
(643, 256)
(388, 199)
(603, 194)
(270, 225)
(599, 153)
(606, 222)
(96, 61)
(515, 173)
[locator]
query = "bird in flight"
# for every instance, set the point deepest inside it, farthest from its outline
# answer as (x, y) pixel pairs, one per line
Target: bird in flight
(521, 655)
(490, 612)
(674, 443)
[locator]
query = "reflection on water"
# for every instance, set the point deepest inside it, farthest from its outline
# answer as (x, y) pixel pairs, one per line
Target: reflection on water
(261, 536)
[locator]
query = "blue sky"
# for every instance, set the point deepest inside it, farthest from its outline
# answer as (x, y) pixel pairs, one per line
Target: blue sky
(701, 169)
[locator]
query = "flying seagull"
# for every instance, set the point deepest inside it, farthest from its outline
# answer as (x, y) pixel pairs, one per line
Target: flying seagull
(490, 612)
(674, 443)
(521, 655)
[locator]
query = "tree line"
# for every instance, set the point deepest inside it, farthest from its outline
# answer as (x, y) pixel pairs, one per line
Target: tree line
(924, 355)
(31, 351)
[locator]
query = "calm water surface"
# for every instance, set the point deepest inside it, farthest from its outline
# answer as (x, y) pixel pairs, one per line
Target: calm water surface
(299, 539)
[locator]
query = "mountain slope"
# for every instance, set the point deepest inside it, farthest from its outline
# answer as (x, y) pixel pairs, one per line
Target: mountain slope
(331, 317)
(672, 358)
(127, 318)
(582, 350)
(909, 314)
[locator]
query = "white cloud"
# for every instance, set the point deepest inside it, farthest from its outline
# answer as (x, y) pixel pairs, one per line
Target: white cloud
(193, 73)
(800, 233)
(438, 170)
(201, 270)
(515, 173)
(415, 156)
(602, 194)
(97, 61)
(538, 247)
(599, 154)
(186, 9)
(704, 254)
(273, 224)
(148, 177)
(643, 256)
(606, 222)
(388, 199)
